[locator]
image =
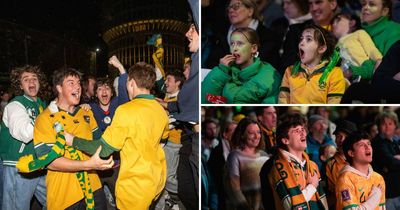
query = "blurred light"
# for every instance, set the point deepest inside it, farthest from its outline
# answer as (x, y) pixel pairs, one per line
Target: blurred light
(97, 49)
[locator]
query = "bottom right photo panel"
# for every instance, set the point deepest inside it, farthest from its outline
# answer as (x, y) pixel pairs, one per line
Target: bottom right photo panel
(300, 157)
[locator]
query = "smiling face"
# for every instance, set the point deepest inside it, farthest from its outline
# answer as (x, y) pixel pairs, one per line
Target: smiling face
(193, 38)
(372, 10)
(242, 49)
(309, 51)
(296, 141)
(253, 134)
(322, 11)
(239, 14)
(104, 94)
(30, 84)
(361, 152)
(171, 85)
(69, 92)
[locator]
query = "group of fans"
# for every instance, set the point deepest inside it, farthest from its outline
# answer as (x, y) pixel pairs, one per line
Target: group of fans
(300, 158)
(303, 52)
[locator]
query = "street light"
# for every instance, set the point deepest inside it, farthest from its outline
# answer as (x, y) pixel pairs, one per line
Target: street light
(95, 60)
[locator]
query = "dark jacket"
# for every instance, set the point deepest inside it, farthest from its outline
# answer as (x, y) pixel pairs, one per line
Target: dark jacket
(385, 164)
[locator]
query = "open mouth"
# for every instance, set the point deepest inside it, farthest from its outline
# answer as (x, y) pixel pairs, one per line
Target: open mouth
(237, 56)
(301, 54)
(76, 95)
(303, 140)
(368, 154)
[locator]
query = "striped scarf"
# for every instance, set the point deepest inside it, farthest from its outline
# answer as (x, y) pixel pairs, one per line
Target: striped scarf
(288, 188)
(27, 164)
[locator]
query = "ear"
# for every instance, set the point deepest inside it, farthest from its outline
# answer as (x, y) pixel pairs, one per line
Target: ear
(332, 4)
(385, 11)
(59, 88)
(254, 49)
(285, 141)
(178, 83)
(350, 153)
(251, 12)
(352, 24)
(322, 49)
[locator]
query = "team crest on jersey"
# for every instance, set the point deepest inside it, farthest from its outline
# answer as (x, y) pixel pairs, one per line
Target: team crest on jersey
(345, 195)
(87, 118)
(31, 112)
(57, 126)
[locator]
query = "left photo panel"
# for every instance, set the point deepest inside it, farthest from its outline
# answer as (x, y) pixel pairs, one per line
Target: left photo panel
(99, 105)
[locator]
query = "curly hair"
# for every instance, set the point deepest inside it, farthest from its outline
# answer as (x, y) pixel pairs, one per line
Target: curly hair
(16, 73)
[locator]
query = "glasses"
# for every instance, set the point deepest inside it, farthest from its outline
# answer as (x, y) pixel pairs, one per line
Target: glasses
(234, 6)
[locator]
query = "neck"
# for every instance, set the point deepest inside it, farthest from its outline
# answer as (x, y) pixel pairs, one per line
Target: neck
(298, 154)
(249, 150)
(318, 136)
(32, 97)
(242, 24)
(104, 107)
(313, 63)
(140, 91)
(362, 167)
(246, 64)
(390, 137)
(327, 21)
(65, 106)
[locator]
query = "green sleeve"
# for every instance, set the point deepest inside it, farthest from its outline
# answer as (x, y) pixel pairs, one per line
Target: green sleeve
(90, 147)
(215, 82)
(366, 70)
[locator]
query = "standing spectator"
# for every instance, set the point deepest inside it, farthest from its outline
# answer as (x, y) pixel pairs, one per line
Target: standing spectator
(358, 185)
(244, 164)
(216, 163)
(267, 118)
(136, 131)
(317, 137)
(88, 82)
(209, 139)
(16, 140)
(336, 164)
(387, 157)
(5, 97)
(293, 179)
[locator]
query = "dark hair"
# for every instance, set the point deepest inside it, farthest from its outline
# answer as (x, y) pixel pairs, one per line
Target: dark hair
(350, 17)
(349, 142)
(143, 74)
(60, 74)
(239, 136)
(250, 34)
(323, 37)
(302, 5)
(208, 121)
(260, 110)
(15, 77)
(103, 81)
(85, 82)
(178, 75)
(288, 121)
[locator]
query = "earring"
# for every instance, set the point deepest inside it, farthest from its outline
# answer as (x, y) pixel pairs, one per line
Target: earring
(256, 54)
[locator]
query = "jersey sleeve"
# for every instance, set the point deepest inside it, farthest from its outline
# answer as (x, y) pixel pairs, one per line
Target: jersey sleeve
(115, 135)
(284, 90)
(337, 86)
(345, 193)
(44, 135)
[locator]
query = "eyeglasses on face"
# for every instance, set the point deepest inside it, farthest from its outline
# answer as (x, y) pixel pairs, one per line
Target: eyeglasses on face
(234, 6)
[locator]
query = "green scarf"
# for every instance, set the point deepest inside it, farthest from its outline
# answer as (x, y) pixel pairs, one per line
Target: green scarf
(27, 164)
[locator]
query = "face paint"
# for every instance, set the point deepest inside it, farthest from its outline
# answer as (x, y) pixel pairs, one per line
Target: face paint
(241, 49)
(371, 10)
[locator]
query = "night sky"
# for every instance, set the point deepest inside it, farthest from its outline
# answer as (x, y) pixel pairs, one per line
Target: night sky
(78, 20)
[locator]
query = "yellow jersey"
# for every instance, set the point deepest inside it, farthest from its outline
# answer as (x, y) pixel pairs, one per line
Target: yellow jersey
(304, 88)
(63, 189)
(354, 188)
(136, 130)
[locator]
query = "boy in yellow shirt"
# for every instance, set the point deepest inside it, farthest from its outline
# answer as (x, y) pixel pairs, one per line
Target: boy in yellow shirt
(358, 186)
(136, 131)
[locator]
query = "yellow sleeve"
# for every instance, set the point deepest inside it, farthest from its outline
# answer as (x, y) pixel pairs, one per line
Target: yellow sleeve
(284, 91)
(345, 193)
(43, 131)
(369, 46)
(336, 87)
(116, 134)
(329, 175)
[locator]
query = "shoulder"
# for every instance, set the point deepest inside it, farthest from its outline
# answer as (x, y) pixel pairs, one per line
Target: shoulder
(378, 177)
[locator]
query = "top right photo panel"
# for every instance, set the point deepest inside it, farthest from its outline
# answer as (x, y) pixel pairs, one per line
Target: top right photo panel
(300, 52)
